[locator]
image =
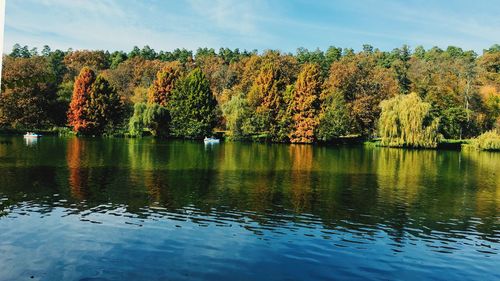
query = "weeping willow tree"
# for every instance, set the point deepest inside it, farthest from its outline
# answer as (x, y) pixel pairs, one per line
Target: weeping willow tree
(405, 122)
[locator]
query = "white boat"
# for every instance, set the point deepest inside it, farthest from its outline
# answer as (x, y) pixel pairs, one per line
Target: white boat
(211, 140)
(30, 135)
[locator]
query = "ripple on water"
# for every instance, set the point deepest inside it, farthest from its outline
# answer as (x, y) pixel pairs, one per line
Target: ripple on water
(109, 240)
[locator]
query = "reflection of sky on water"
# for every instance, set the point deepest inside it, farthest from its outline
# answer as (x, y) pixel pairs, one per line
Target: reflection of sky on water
(110, 243)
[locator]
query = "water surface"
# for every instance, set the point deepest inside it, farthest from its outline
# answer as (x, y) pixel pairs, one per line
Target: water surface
(128, 209)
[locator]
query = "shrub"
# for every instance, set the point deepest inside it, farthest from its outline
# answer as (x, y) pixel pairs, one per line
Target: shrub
(487, 141)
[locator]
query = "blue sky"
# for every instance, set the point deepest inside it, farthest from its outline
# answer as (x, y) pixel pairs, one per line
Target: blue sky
(259, 24)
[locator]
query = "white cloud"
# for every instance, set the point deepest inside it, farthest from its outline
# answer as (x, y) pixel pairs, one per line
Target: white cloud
(261, 24)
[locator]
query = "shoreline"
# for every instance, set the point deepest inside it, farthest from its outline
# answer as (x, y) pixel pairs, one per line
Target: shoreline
(446, 144)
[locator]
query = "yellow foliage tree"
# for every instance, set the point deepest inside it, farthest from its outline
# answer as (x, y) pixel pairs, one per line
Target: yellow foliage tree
(305, 104)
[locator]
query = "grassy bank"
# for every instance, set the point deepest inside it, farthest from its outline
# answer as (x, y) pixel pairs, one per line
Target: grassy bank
(444, 144)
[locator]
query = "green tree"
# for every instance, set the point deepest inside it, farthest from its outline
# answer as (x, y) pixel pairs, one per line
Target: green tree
(193, 107)
(401, 66)
(236, 113)
(116, 58)
(453, 123)
(20, 52)
(332, 54)
(136, 122)
(405, 122)
(489, 140)
(153, 117)
(156, 119)
(105, 109)
(334, 119)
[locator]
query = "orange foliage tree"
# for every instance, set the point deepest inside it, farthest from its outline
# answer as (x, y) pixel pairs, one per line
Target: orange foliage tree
(77, 114)
(305, 104)
(94, 104)
(162, 86)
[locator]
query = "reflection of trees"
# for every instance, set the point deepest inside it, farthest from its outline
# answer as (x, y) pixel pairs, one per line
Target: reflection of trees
(142, 154)
(78, 175)
(402, 175)
(301, 184)
(93, 165)
(485, 174)
(273, 185)
(402, 172)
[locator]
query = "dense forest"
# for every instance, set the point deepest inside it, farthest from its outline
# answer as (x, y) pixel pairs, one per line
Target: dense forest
(406, 97)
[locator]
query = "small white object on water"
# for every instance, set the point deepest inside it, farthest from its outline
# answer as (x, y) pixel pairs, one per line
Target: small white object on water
(211, 140)
(31, 135)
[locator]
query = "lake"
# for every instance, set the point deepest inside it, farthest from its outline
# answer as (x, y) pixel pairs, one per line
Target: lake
(145, 209)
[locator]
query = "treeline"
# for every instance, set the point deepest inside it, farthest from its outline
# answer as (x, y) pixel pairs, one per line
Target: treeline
(408, 98)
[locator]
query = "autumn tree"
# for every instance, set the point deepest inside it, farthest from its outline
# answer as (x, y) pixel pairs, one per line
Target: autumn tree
(77, 114)
(133, 77)
(76, 60)
(489, 78)
(222, 74)
(28, 96)
(193, 107)
(266, 96)
(94, 104)
(161, 89)
(363, 85)
(258, 93)
(266, 99)
(448, 79)
(305, 104)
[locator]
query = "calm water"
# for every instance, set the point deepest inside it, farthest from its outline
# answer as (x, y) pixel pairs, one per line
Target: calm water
(115, 209)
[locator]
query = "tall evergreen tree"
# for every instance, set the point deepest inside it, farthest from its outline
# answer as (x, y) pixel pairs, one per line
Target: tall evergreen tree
(104, 107)
(334, 118)
(193, 107)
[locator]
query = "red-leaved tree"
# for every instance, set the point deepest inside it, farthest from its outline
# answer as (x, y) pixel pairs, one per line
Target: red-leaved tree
(77, 114)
